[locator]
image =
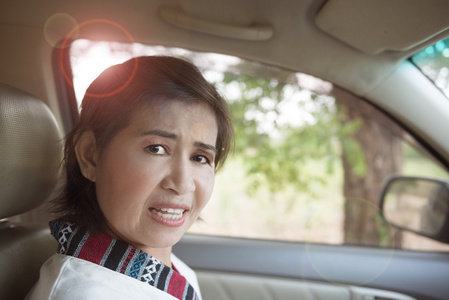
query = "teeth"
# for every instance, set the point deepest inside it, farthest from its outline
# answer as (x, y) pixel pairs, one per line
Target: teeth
(173, 214)
(173, 210)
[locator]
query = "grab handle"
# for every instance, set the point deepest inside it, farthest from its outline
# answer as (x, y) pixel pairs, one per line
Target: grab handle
(249, 33)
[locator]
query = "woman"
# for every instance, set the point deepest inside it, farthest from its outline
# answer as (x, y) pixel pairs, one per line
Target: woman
(140, 167)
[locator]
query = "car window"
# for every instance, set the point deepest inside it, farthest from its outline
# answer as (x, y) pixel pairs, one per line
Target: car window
(434, 63)
(310, 158)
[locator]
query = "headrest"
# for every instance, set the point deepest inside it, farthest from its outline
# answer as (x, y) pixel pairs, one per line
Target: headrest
(30, 151)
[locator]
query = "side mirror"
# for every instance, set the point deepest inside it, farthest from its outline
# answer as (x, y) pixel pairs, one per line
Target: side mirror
(419, 205)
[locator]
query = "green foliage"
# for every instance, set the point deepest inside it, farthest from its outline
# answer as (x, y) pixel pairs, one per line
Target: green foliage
(352, 148)
(275, 151)
(385, 232)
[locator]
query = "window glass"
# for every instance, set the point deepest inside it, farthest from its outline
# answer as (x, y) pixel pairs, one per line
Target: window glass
(310, 159)
(434, 63)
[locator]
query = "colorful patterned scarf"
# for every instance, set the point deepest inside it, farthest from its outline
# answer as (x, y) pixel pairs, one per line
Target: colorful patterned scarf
(118, 256)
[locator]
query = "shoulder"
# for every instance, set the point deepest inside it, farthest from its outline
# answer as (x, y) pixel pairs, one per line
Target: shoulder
(66, 277)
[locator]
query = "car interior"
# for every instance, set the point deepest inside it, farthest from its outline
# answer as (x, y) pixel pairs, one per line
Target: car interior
(360, 52)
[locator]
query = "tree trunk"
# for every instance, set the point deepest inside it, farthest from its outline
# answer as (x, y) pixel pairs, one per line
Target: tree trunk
(379, 140)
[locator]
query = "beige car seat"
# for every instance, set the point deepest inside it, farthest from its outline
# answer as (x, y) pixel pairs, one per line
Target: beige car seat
(30, 158)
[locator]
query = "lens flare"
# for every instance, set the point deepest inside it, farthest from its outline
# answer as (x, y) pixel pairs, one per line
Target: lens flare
(59, 27)
(84, 26)
(363, 270)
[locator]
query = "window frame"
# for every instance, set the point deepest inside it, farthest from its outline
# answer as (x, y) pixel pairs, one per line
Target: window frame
(69, 104)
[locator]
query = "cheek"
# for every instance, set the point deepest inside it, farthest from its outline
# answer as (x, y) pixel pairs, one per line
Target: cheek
(206, 183)
(121, 177)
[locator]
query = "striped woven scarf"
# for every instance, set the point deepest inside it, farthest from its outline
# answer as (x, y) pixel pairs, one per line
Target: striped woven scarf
(118, 256)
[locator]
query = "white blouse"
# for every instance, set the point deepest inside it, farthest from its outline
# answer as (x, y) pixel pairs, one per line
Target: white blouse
(66, 277)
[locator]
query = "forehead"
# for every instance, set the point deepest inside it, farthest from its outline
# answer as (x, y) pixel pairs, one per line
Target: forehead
(175, 115)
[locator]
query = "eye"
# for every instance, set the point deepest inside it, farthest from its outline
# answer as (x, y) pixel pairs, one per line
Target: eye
(200, 159)
(156, 149)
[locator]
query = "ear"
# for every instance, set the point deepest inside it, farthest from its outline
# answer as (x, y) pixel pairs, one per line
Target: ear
(87, 154)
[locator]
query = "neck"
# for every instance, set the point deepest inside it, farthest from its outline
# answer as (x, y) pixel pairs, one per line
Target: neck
(162, 254)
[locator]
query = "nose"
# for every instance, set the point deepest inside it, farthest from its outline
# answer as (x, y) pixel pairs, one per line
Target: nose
(180, 178)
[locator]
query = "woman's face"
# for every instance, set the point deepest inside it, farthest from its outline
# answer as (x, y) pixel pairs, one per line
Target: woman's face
(156, 175)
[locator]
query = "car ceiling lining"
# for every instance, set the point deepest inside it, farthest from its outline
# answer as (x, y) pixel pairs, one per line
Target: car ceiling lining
(374, 27)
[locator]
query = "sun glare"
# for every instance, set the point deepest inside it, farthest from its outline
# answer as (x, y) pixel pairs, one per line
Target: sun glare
(89, 60)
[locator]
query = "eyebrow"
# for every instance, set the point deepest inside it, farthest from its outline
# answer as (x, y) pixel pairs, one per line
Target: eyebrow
(172, 136)
(205, 146)
(161, 133)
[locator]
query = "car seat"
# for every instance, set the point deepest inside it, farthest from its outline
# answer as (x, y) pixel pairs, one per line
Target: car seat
(30, 159)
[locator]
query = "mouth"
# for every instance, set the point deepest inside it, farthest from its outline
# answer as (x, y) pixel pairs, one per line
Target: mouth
(169, 213)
